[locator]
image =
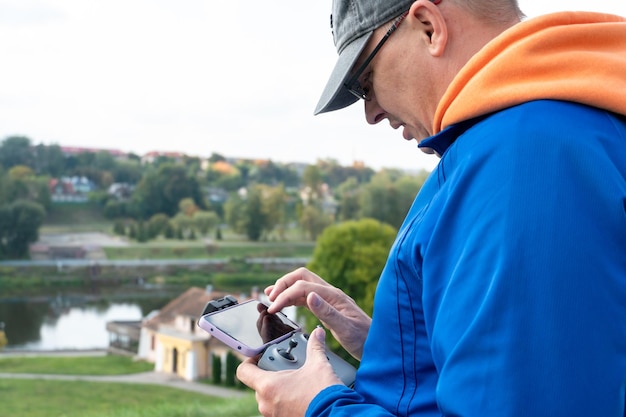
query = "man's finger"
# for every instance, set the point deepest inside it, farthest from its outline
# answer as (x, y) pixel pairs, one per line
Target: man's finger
(248, 372)
(321, 309)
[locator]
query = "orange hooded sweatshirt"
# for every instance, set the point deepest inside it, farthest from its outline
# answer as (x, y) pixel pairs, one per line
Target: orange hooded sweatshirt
(570, 56)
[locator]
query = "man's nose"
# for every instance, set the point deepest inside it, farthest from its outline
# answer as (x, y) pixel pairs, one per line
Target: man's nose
(373, 112)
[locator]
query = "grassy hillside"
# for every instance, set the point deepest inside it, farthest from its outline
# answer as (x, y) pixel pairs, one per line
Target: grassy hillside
(75, 218)
(42, 398)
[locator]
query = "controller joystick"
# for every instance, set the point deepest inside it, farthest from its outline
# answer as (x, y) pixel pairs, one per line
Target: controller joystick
(286, 353)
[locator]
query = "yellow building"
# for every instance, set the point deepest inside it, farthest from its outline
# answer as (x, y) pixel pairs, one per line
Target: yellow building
(172, 339)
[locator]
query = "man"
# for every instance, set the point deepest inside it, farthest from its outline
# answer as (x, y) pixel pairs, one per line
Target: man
(505, 291)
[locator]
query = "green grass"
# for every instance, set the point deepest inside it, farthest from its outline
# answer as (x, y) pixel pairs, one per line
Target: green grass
(88, 365)
(87, 217)
(74, 213)
(39, 398)
(75, 218)
(47, 398)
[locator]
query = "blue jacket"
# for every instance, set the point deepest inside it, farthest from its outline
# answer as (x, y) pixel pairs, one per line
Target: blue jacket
(504, 293)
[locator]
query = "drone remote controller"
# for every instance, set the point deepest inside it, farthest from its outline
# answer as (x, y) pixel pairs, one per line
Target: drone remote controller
(248, 329)
(291, 354)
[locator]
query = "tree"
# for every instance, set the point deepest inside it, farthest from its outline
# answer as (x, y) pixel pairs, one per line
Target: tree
(334, 174)
(21, 172)
(183, 224)
(157, 225)
(348, 196)
(312, 181)
(105, 179)
(313, 220)
(142, 233)
(234, 213)
(232, 362)
(129, 172)
(255, 215)
(16, 150)
(274, 207)
(187, 206)
(115, 209)
(204, 221)
(132, 230)
(215, 157)
(258, 213)
(270, 173)
(389, 196)
(162, 190)
(19, 227)
(216, 369)
(119, 228)
(351, 255)
(49, 160)
(20, 184)
(104, 161)
(169, 232)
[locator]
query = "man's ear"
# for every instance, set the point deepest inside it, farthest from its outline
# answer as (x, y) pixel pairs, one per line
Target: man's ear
(432, 24)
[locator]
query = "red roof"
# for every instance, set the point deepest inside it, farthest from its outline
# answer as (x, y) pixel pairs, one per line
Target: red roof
(191, 303)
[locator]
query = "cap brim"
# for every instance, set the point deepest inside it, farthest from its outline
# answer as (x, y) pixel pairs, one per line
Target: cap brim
(335, 96)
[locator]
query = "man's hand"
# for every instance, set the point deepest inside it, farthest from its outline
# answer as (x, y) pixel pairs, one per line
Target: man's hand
(289, 393)
(338, 312)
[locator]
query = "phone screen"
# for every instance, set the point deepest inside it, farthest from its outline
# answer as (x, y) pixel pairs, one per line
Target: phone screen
(251, 324)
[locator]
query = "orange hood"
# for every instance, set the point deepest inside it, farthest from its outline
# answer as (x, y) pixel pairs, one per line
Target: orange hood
(570, 56)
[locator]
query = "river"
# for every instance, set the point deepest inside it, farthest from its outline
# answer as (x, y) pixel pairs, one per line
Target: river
(68, 323)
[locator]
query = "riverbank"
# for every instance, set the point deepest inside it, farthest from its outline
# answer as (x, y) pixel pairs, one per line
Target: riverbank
(22, 279)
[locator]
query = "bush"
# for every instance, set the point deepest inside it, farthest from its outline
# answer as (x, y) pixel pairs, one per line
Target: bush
(158, 225)
(119, 228)
(231, 369)
(216, 368)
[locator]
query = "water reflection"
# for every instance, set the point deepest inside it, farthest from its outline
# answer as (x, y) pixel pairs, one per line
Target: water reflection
(77, 325)
(81, 328)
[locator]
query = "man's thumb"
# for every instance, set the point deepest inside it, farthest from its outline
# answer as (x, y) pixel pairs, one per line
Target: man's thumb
(316, 346)
(317, 356)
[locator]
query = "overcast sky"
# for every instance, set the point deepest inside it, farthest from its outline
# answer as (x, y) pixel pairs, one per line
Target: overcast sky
(239, 78)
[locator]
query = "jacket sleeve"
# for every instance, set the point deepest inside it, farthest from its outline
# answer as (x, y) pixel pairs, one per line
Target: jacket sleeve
(340, 401)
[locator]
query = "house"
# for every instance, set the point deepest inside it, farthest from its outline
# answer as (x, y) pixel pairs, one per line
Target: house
(123, 337)
(75, 151)
(151, 157)
(121, 191)
(172, 339)
(71, 189)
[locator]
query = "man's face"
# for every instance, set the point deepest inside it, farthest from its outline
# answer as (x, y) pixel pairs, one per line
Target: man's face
(396, 84)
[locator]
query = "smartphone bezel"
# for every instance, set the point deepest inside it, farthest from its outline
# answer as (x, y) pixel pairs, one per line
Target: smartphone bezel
(237, 345)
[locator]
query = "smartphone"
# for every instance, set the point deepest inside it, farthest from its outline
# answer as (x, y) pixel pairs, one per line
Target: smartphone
(248, 327)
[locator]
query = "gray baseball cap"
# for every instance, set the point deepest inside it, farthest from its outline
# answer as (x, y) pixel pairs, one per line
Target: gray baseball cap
(352, 23)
